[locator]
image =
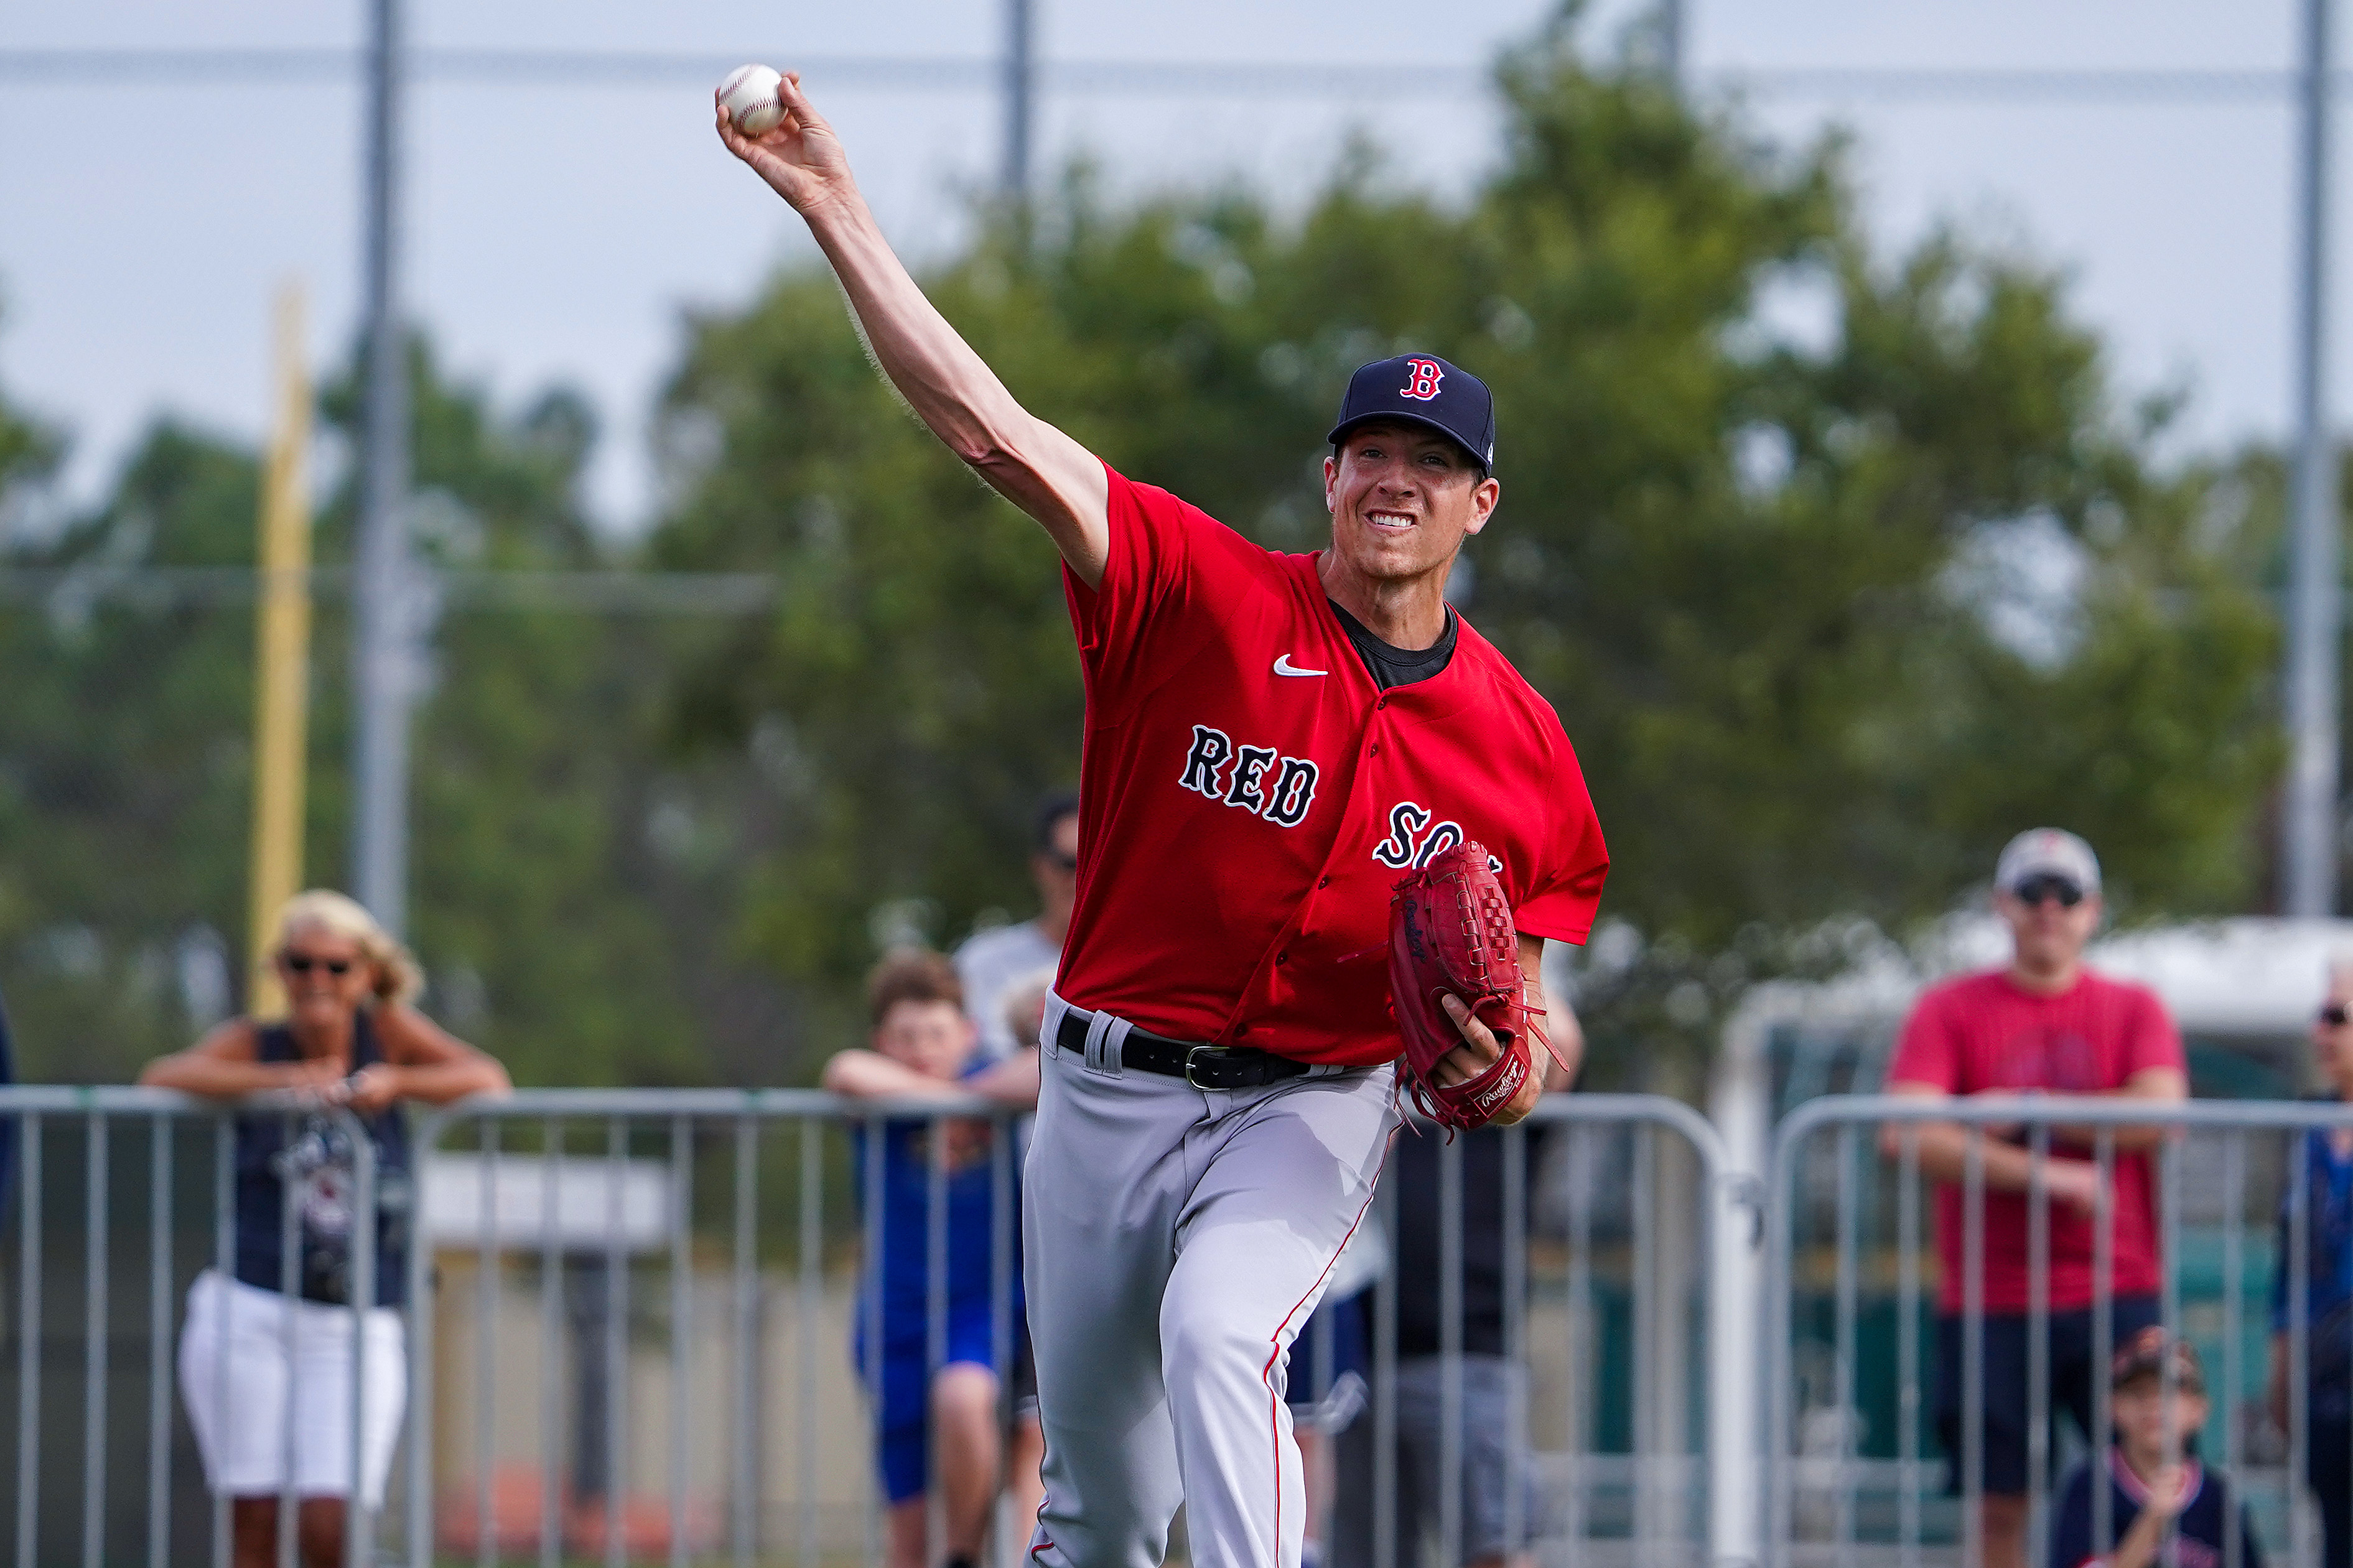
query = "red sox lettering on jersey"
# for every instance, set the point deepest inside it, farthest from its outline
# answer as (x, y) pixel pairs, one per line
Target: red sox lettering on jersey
(1412, 840)
(1281, 796)
(1267, 793)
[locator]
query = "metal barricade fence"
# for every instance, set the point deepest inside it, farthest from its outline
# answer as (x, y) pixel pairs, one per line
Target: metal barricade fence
(755, 1443)
(1858, 1457)
(630, 1328)
(113, 1511)
(1628, 1345)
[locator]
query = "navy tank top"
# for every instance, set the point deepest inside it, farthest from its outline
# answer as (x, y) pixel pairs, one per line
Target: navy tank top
(312, 1153)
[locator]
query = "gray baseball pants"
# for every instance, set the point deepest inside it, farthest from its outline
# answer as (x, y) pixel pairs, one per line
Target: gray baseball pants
(1175, 1239)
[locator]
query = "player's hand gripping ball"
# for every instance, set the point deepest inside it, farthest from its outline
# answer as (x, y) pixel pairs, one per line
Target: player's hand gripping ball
(750, 97)
(1450, 933)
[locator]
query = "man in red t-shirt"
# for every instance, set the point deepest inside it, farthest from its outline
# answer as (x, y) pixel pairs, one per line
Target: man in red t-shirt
(2046, 1024)
(1270, 742)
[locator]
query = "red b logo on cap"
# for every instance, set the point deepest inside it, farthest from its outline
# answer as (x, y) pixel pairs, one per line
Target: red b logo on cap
(1425, 375)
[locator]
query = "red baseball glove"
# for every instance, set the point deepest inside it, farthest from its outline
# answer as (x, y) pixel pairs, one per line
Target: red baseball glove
(1450, 933)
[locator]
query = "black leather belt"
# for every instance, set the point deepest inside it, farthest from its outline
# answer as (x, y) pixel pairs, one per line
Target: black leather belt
(1203, 1067)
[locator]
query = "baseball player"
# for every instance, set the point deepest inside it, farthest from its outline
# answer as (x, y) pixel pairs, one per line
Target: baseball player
(1270, 742)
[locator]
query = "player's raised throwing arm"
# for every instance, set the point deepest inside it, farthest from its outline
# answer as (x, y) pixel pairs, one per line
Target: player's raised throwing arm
(1035, 467)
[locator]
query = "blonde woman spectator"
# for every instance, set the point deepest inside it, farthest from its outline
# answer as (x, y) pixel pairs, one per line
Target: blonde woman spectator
(352, 1040)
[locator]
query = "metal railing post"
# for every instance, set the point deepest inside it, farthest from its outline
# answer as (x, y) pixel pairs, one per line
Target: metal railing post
(615, 1306)
(807, 1300)
(2234, 1204)
(418, 1409)
(96, 1335)
(1450, 1349)
(1385, 1394)
(1907, 1310)
(289, 1262)
(1584, 1326)
(159, 1342)
(486, 1309)
(745, 1397)
(551, 1338)
(225, 1270)
(1516, 1339)
(1848, 1291)
(28, 1348)
(682, 1315)
(359, 1520)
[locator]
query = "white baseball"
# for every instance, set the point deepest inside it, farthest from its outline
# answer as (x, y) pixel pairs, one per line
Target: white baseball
(752, 100)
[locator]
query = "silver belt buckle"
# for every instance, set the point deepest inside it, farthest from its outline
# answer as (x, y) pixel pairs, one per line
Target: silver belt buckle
(1192, 1061)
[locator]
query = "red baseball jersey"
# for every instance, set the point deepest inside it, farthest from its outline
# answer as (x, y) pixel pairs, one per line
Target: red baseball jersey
(1983, 1035)
(1248, 796)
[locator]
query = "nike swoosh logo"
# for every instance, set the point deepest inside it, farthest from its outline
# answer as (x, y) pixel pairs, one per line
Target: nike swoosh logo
(1283, 666)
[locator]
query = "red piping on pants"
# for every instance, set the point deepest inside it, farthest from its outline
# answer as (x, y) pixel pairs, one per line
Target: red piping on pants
(1265, 1374)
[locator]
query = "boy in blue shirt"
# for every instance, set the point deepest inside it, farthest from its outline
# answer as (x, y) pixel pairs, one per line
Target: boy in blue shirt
(923, 1048)
(2164, 1507)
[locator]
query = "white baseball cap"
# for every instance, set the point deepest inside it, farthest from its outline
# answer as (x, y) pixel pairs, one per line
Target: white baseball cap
(2047, 852)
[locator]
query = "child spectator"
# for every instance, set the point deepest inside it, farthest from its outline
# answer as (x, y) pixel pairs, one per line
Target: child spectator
(2156, 1487)
(923, 1048)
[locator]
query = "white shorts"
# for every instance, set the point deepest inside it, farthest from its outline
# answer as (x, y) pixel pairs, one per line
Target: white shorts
(243, 1381)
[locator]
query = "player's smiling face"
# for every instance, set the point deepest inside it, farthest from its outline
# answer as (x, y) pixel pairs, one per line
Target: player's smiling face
(1403, 499)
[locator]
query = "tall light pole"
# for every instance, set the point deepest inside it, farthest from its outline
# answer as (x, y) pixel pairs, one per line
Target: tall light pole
(1021, 94)
(382, 590)
(2308, 844)
(1673, 18)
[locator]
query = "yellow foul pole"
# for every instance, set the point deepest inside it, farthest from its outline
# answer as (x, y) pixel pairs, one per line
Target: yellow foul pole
(282, 653)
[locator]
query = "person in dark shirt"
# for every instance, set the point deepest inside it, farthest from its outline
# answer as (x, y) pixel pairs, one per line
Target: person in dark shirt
(2326, 1209)
(2163, 1505)
(1492, 1380)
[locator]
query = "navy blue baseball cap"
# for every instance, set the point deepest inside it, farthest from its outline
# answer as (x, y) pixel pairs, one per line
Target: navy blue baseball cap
(1422, 389)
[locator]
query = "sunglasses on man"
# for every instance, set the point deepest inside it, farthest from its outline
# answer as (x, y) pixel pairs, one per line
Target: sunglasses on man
(302, 963)
(2035, 889)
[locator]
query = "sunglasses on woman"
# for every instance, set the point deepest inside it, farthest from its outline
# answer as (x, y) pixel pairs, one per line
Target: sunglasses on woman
(302, 963)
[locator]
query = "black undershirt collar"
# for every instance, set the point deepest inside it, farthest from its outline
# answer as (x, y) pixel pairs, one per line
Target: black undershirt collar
(1392, 666)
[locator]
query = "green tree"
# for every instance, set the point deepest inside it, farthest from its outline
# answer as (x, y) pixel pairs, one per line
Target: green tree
(1759, 573)
(122, 796)
(536, 898)
(555, 928)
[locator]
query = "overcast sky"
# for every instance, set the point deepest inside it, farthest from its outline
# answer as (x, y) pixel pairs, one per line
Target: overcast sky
(556, 234)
